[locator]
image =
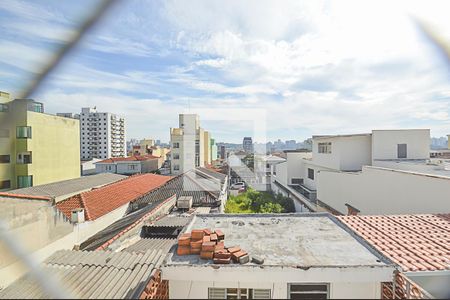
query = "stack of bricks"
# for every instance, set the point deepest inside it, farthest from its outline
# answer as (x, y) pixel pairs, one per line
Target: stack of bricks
(210, 245)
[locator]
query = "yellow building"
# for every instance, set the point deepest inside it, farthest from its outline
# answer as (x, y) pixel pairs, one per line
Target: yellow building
(36, 148)
(207, 148)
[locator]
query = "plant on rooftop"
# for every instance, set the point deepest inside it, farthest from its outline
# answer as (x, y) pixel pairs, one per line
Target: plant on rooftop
(252, 201)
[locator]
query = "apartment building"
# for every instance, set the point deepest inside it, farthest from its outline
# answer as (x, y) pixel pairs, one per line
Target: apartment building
(386, 171)
(102, 134)
(36, 148)
(188, 144)
(213, 150)
(207, 148)
(247, 144)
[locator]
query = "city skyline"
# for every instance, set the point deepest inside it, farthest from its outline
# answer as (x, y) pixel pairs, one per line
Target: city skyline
(304, 63)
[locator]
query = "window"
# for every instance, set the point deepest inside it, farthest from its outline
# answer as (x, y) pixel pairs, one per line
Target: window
(176, 145)
(131, 167)
(325, 148)
(297, 180)
(308, 291)
(36, 107)
(24, 157)
(235, 293)
(311, 174)
(5, 159)
(4, 107)
(5, 184)
(402, 151)
(176, 156)
(176, 167)
(23, 132)
(24, 181)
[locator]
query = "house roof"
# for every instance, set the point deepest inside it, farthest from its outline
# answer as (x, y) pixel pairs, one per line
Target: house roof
(414, 242)
(142, 245)
(131, 221)
(129, 158)
(93, 274)
(321, 241)
(63, 189)
(204, 189)
(101, 201)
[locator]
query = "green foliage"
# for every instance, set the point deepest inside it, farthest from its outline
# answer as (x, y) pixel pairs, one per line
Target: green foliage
(253, 201)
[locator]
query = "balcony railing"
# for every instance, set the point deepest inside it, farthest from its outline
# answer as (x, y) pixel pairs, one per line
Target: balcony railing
(403, 288)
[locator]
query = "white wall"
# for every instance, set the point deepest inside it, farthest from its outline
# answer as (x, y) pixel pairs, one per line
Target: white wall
(123, 167)
(384, 143)
(384, 191)
(295, 161)
(281, 173)
(344, 282)
(348, 153)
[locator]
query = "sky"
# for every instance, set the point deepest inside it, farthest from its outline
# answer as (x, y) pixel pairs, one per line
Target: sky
(304, 67)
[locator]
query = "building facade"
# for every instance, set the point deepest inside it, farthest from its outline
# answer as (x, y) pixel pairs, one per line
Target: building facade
(247, 144)
(386, 171)
(36, 148)
(128, 165)
(102, 134)
(188, 144)
(213, 150)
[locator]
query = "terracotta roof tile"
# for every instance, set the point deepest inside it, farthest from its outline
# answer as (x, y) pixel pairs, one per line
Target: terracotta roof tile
(101, 201)
(414, 242)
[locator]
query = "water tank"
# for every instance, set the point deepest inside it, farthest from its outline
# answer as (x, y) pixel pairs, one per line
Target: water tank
(185, 202)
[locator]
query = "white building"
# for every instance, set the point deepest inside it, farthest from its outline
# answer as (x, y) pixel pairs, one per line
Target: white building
(386, 171)
(128, 165)
(188, 144)
(321, 260)
(102, 134)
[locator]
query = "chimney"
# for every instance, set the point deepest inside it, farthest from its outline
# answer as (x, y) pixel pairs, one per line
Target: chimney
(77, 215)
(352, 211)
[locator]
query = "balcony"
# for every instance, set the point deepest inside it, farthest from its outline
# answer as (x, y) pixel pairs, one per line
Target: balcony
(303, 190)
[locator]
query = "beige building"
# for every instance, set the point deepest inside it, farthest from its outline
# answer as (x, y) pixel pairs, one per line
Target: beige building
(188, 144)
(36, 148)
(207, 148)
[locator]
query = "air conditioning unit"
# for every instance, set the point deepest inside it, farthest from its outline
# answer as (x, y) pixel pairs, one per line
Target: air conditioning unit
(77, 215)
(185, 202)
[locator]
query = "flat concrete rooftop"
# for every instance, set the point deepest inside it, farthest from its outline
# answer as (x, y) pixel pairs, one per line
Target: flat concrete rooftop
(304, 240)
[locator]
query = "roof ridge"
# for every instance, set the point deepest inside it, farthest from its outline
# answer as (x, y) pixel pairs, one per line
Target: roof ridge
(85, 206)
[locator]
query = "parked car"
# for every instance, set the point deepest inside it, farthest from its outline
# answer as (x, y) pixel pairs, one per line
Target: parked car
(238, 185)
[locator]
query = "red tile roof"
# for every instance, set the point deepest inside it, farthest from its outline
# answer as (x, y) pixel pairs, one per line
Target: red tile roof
(129, 158)
(414, 242)
(99, 202)
(29, 197)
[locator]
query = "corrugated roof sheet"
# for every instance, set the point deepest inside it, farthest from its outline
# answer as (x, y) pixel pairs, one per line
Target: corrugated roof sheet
(101, 201)
(204, 190)
(67, 187)
(143, 245)
(98, 274)
(103, 236)
(173, 221)
(414, 242)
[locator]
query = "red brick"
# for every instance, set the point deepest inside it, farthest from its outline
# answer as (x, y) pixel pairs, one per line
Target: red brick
(235, 255)
(222, 254)
(196, 251)
(213, 237)
(207, 231)
(234, 249)
(197, 234)
(220, 235)
(220, 246)
(196, 244)
(183, 250)
(184, 241)
(208, 246)
(206, 239)
(207, 254)
(222, 260)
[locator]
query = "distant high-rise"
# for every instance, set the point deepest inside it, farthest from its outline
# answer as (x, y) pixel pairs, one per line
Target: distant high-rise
(102, 134)
(247, 144)
(188, 144)
(223, 153)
